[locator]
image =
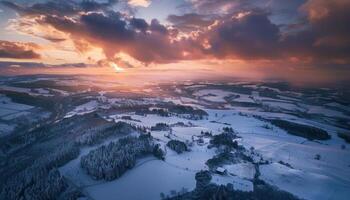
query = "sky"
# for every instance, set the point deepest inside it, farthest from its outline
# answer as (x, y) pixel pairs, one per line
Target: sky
(292, 40)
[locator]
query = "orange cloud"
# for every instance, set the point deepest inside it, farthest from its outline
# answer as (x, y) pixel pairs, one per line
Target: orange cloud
(18, 50)
(143, 3)
(237, 32)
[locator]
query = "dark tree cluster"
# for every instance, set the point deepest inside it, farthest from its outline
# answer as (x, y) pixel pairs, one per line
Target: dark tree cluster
(126, 117)
(203, 179)
(207, 191)
(35, 183)
(227, 158)
(160, 127)
(113, 160)
(41, 181)
(308, 132)
(129, 118)
(181, 109)
(160, 112)
(168, 110)
(219, 159)
(96, 135)
(224, 139)
(285, 164)
(158, 152)
(60, 156)
(178, 146)
(345, 136)
(207, 133)
(180, 124)
(228, 130)
(195, 114)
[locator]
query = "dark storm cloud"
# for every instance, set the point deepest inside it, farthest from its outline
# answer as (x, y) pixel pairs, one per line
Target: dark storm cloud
(18, 50)
(116, 33)
(139, 24)
(330, 19)
(326, 38)
(320, 34)
(60, 8)
(250, 37)
(109, 27)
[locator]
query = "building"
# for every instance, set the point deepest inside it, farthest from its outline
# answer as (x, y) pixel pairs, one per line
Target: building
(221, 170)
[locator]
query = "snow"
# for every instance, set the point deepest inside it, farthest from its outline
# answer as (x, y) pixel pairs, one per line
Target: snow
(273, 144)
(37, 92)
(186, 100)
(193, 160)
(288, 98)
(220, 170)
(305, 185)
(9, 108)
(61, 92)
(242, 170)
(88, 107)
(320, 110)
(217, 96)
(15, 89)
(283, 106)
(212, 95)
(243, 98)
(333, 165)
(145, 181)
(151, 120)
(42, 91)
(76, 174)
(308, 178)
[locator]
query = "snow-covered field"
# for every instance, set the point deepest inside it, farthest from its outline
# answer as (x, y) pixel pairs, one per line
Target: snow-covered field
(145, 182)
(83, 109)
(10, 110)
(307, 178)
(304, 184)
(291, 160)
(213, 95)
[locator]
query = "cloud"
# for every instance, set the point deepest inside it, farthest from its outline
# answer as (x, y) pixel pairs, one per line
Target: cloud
(28, 25)
(190, 21)
(18, 50)
(146, 42)
(239, 29)
(218, 6)
(246, 36)
(329, 21)
(141, 3)
(5, 64)
(325, 38)
(59, 8)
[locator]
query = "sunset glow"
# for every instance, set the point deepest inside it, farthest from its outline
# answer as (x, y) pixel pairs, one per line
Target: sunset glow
(307, 38)
(174, 99)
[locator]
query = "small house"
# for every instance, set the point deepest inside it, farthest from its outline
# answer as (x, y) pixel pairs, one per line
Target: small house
(221, 170)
